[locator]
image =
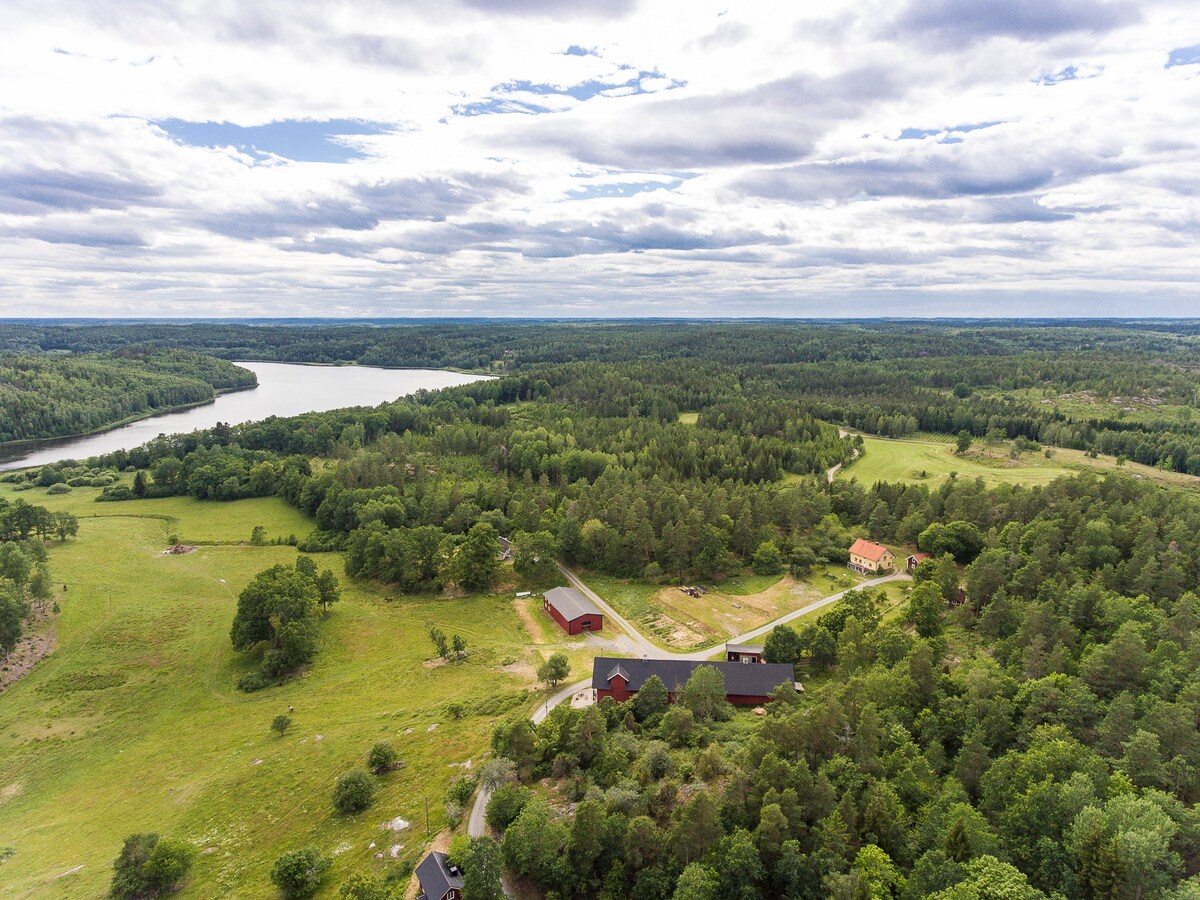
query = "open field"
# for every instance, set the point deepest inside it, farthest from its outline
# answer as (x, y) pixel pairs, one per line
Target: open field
(677, 621)
(134, 724)
(932, 462)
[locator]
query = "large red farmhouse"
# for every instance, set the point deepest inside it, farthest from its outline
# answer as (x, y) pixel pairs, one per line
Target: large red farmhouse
(573, 611)
(744, 685)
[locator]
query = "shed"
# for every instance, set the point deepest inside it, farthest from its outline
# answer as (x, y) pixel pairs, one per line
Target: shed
(572, 610)
(743, 653)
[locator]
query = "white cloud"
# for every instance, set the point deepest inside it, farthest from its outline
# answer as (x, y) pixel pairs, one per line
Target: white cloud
(684, 158)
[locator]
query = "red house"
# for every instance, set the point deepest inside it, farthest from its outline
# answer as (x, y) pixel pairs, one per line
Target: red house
(573, 611)
(439, 880)
(744, 685)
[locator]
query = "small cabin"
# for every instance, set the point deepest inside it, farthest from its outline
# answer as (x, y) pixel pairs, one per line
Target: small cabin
(572, 610)
(440, 880)
(915, 560)
(869, 558)
(743, 653)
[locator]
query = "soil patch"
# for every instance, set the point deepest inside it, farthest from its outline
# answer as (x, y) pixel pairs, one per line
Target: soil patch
(34, 646)
(531, 624)
(178, 549)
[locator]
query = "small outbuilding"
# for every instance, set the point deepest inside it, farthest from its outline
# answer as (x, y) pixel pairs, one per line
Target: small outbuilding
(743, 653)
(869, 558)
(572, 610)
(439, 879)
(915, 560)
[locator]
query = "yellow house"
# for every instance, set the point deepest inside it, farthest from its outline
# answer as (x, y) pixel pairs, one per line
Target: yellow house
(868, 557)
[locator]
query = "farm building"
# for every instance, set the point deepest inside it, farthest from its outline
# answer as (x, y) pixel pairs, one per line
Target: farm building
(743, 653)
(439, 880)
(744, 685)
(915, 560)
(869, 558)
(573, 611)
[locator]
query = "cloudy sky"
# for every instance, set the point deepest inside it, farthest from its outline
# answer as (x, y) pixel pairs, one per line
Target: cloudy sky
(599, 158)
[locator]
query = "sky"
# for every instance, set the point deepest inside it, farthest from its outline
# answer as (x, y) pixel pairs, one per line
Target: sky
(592, 158)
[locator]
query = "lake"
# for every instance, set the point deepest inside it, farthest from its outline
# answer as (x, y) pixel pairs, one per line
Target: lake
(284, 389)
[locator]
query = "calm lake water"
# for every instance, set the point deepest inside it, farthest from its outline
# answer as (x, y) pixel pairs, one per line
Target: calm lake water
(284, 389)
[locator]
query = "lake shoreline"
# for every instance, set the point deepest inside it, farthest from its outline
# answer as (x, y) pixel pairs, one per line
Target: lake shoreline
(282, 390)
(40, 443)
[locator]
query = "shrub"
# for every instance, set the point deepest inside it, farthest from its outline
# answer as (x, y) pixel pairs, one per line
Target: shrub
(116, 492)
(252, 681)
(59, 488)
(354, 791)
(148, 867)
(382, 758)
(280, 724)
(298, 873)
(460, 790)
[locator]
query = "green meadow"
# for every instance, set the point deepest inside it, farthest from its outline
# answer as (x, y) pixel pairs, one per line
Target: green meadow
(931, 462)
(134, 723)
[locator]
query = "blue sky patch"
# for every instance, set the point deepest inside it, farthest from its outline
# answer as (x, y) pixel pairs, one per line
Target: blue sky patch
(301, 140)
(1070, 73)
(504, 101)
(917, 134)
(1184, 56)
(620, 189)
(576, 50)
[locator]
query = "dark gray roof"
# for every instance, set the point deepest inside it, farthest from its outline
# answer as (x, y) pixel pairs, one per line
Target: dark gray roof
(435, 877)
(756, 680)
(571, 603)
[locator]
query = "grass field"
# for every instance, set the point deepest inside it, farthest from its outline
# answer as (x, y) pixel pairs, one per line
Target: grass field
(678, 621)
(134, 724)
(931, 462)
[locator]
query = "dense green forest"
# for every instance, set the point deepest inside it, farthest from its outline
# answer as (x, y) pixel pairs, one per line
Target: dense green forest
(1028, 727)
(55, 395)
(1138, 379)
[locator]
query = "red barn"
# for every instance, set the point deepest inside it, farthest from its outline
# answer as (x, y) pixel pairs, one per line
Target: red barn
(572, 610)
(744, 685)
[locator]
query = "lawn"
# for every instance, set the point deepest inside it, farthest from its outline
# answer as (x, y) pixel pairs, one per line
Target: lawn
(678, 621)
(931, 462)
(134, 724)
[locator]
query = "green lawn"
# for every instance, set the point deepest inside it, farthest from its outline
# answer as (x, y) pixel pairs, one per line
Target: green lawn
(134, 724)
(932, 462)
(929, 461)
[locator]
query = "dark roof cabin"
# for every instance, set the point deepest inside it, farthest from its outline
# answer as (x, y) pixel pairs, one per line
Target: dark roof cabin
(439, 880)
(572, 610)
(744, 685)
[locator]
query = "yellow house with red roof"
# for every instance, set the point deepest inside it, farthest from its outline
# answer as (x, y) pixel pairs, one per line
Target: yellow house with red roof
(870, 558)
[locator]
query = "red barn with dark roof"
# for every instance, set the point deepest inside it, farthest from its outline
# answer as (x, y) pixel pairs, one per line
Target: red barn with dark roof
(744, 685)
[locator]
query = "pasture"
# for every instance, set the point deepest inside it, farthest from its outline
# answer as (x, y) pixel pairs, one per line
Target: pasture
(134, 723)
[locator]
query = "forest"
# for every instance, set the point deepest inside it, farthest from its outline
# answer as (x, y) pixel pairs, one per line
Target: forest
(55, 395)
(1029, 724)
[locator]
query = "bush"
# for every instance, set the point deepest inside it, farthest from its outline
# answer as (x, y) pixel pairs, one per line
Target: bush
(298, 873)
(382, 758)
(59, 488)
(280, 724)
(252, 681)
(460, 790)
(506, 804)
(148, 867)
(354, 791)
(116, 492)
